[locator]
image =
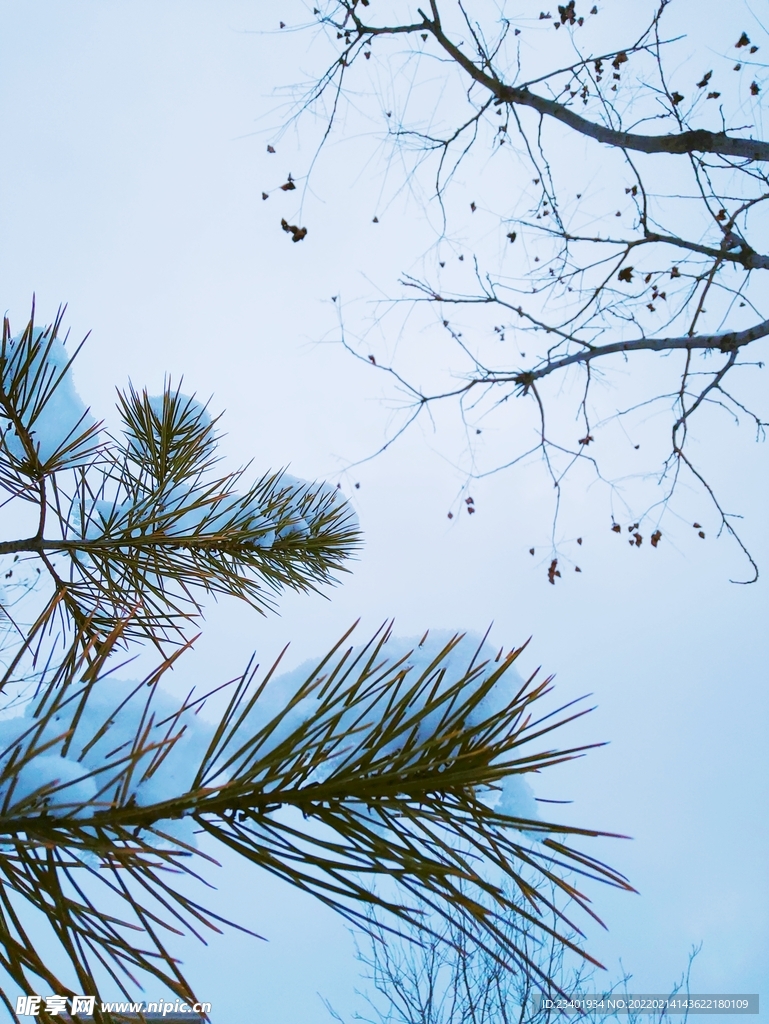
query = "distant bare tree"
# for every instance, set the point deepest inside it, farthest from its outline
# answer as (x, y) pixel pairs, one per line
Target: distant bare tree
(446, 979)
(612, 206)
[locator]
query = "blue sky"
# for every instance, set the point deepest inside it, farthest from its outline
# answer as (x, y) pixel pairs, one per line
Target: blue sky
(130, 189)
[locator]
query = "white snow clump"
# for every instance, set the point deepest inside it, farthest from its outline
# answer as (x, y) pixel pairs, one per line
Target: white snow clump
(63, 417)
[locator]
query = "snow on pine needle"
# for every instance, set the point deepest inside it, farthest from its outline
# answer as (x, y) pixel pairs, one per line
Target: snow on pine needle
(146, 519)
(72, 753)
(442, 657)
(44, 420)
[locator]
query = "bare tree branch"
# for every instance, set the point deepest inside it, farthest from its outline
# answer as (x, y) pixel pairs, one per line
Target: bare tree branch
(569, 292)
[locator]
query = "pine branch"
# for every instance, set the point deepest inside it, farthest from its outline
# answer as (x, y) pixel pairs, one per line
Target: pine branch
(368, 768)
(146, 524)
(390, 764)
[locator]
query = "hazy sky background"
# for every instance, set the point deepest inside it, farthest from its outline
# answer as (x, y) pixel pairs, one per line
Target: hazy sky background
(130, 188)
